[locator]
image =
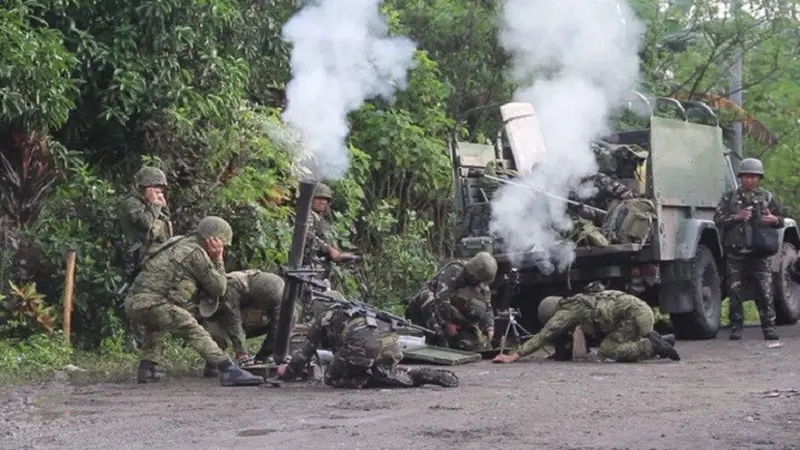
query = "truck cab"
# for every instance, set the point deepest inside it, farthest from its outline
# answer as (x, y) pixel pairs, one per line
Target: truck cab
(679, 269)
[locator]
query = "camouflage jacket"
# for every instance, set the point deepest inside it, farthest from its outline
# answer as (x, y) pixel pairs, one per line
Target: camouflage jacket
(318, 241)
(329, 331)
(145, 224)
(609, 193)
(596, 313)
(177, 274)
(229, 313)
(466, 306)
(737, 236)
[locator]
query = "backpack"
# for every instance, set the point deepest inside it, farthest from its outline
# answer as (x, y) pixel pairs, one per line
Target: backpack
(630, 221)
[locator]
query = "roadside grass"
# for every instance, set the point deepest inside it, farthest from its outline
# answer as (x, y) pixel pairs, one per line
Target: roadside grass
(751, 316)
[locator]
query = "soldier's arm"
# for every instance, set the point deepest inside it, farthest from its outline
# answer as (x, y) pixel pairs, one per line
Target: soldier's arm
(140, 214)
(724, 218)
(209, 274)
(313, 338)
(560, 323)
(776, 209)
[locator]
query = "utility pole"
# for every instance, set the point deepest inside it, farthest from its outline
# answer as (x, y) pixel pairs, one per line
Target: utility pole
(735, 83)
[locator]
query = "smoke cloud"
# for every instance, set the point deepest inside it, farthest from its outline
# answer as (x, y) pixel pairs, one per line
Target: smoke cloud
(341, 56)
(583, 56)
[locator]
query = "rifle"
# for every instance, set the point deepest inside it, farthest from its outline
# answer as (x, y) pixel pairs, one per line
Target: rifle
(545, 193)
(306, 276)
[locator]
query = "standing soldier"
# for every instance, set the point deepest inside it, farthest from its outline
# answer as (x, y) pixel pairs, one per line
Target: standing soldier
(366, 353)
(738, 211)
(456, 303)
(158, 299)
(625, 320)
(250, 307)
(145, 218)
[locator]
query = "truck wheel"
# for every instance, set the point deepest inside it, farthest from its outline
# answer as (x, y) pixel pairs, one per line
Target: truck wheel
(786, 287)
(706, 294)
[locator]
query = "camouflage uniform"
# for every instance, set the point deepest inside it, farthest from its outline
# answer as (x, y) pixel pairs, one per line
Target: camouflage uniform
(609, 193)
(459, 296)
(250, 307)
(624, 320)
(738, 263)
(160, 295)
(366, 353)
(146, 225)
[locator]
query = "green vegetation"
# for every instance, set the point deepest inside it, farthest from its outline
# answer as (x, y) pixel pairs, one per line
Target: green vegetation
(89, 91)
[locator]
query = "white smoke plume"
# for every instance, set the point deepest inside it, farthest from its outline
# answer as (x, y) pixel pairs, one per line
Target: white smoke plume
(342, 55)
(583, 56)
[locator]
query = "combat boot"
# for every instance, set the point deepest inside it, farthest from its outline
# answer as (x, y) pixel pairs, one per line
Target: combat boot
(770, 334)
(662, 348)
(231, 375)
(210, 370)
(669, 338)
(148, 372)
(426, 375)
(736, 333)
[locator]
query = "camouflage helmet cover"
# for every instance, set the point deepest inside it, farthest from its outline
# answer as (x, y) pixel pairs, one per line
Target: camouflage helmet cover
(267, 285)
(215, 227)
(323, 191)
(481, 268)
(547, 308)
(150, 176)
(751, 166)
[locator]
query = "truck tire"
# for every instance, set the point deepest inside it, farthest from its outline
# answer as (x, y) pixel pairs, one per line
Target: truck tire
(706, 294)
(786, 287)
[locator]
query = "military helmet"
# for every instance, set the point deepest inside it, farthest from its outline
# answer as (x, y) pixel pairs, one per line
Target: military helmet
(595, 286)
(547, 308)
(481, 268)
(323, 191)
(150, 176)
(751, 166)
(215, 227)
(267, 285)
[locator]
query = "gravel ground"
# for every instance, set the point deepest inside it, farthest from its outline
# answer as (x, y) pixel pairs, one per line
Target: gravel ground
(722, 395)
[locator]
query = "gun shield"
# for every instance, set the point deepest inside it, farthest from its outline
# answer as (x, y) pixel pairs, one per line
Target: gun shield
(293, 285)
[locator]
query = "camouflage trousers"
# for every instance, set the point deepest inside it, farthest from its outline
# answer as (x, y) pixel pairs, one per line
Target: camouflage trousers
(156, 320)
(628, 342)
(737, 268)
(368, 358)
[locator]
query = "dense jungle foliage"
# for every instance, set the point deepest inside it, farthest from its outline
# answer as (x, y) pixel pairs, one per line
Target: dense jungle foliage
(92, 89)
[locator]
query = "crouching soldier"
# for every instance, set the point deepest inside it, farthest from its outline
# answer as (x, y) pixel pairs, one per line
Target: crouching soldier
(250, 307)
(158, 299)
(366, 353)
(626, 321)
(456, 303)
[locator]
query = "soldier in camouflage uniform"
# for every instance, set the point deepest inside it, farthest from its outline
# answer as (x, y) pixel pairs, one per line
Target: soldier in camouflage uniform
(145, 218)
(250, 307)
(609, 193)
(456, 303)
(366, 353)
(737, 211)
(625, 320)
(159, 297)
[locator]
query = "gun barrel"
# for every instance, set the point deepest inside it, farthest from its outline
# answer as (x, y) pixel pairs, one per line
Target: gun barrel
(293, 285)
(571, 202)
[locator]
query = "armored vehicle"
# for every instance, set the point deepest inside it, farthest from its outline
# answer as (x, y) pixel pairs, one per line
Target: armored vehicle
(679, 268)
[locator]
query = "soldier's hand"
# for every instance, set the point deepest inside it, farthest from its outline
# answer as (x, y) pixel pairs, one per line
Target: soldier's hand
(282, 370)
(768, 218)
(334, 254)
(214, 248)
(155, 195)
(745, 214)
(505, 359)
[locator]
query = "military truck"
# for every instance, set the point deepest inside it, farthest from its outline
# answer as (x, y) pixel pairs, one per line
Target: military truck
(679, 269)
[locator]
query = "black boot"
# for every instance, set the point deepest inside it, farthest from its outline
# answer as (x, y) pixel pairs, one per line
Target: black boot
(148, 372)
(426, 375)
(662, 348)
(736, 332)
(770, 334)
(231, 375)
(669, 338)
(210, 370)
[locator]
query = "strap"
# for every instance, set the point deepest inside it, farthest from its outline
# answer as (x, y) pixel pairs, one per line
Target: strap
(166, 245)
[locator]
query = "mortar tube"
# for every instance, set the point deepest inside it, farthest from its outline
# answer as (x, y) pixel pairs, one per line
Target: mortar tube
(293, 286)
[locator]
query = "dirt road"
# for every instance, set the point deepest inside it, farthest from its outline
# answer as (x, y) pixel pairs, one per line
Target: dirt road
(717, 397)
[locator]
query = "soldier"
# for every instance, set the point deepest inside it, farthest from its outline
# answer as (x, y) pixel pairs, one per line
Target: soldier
(250, 307)
(609, 193)
(158, 299)
(145, 218)
(456, 303)
(366, 353)
(736, 214)
(626, 320)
